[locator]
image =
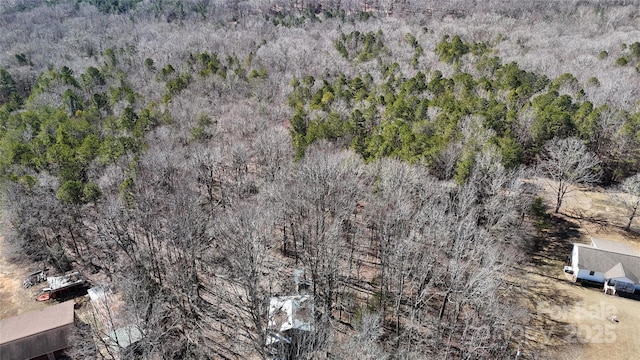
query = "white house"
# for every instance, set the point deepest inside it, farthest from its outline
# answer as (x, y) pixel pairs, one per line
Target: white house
(289, 313)
(613, 265)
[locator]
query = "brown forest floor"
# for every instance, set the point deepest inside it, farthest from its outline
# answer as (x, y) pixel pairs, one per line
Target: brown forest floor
(14, 299)
(570, 321)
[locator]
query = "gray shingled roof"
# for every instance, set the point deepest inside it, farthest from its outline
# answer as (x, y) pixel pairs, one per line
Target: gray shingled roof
(619, 271)
(590, 258)
(614, 246)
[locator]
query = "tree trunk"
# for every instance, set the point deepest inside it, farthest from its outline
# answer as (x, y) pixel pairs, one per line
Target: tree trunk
(284, 239)
(559, 197)
(633, 214)
(444, 305)
(295, 242)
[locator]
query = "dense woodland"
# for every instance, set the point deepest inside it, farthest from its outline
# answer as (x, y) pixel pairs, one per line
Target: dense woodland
(191, 154)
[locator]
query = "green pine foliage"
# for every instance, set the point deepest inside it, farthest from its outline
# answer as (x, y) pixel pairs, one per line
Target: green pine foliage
(450, 51)
(78, 134)
(416, 117)
(10, 99)
(113, 6)
(360, 47)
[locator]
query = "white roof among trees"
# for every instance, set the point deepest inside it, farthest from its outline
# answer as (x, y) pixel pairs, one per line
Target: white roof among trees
(291, 312)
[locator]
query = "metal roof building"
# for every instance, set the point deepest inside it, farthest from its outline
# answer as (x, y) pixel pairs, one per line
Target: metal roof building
(123, 337)
(36, 334)
(291, 312)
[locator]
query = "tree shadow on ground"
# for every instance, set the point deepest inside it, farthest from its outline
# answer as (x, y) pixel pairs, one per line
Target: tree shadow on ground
(582, 216)
(554, 242)
(541, 285)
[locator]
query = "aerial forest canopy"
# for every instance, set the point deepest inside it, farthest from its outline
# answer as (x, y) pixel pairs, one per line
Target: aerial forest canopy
(190, 155)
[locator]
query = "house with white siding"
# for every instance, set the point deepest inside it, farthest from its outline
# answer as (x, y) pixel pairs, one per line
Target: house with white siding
(613, 265)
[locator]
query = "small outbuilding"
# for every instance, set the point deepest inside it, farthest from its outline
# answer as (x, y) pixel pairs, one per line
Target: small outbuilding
(120, 338)
(290, 325)
(123, 338)
(289, 313)
(37, 334)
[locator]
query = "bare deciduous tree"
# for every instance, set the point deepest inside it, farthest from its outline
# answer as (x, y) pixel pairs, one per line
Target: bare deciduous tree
(364, 344)
(244, 239)
(567, 162)
(631, 188)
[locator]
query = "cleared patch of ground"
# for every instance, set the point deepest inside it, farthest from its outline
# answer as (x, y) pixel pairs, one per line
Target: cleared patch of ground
(14, 299)
(571, 321)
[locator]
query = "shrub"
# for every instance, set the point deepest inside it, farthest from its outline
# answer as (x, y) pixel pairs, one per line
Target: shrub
(635, 49)
(538, 211)
(593, 81)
